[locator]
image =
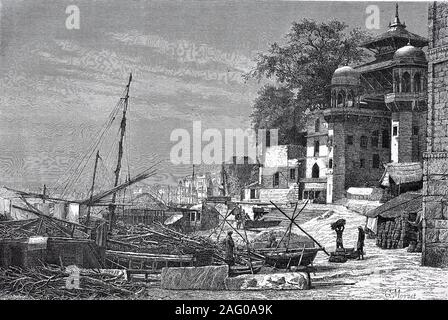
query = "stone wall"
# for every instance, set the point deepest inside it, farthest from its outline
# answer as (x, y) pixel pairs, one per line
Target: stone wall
(281, 196)
(357, 176)
(435, 166)
(339, 155)
(267, 178)
(347, 169)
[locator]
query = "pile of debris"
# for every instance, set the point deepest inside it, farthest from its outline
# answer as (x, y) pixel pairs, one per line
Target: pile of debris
(51, 282)
(160, 240)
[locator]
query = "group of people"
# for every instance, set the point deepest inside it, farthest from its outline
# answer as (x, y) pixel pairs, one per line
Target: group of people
(359, 244)
(241, 216)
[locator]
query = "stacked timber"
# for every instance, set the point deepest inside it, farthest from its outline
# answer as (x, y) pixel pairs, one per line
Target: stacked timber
(392, 233)
(338, 256)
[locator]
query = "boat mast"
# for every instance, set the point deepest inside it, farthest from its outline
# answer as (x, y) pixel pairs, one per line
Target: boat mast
(112, 206)
(93, 186)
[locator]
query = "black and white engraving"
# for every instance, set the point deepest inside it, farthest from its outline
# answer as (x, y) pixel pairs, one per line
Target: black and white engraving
(223, 150)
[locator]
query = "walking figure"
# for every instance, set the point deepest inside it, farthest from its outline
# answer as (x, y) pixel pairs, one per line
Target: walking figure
(230, 246)
(238, 219)
(360, 243)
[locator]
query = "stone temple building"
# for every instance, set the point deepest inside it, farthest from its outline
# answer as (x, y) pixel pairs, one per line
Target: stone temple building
(377, 115)
(435, 169)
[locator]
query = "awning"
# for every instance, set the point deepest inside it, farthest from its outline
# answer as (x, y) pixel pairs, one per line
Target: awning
(409, 202)
(173, 219)
(197, 207)
(402, 173)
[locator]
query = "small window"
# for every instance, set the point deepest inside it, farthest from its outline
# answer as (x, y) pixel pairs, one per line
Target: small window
(330, 163)
(385, 140)
(362, 163)
(268, 138)
(234, 159)
(316, 148)
(395, 131)
(363, 142)
(375, 161)
(193, 216)
(252, 193)
(276, 179)
(375, 138)
(317, 125)
(415, 130)
(292, 174)
(350, 140)
(198, 216)
(246, 160)
(306, 194)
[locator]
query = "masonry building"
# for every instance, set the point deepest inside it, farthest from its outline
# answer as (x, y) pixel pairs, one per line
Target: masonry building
(435, 183)
(377, 115)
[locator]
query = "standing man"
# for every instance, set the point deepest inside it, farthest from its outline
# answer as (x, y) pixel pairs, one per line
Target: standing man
(339, 227)
(230, 246)
(339, 231)
(360, 243)
(238, 219)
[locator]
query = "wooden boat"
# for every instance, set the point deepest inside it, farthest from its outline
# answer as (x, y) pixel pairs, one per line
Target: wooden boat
(284, 259)
(256, 224)
(237, 270)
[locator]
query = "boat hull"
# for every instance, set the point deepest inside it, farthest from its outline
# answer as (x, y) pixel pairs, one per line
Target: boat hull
(285, 259)
(251, 224)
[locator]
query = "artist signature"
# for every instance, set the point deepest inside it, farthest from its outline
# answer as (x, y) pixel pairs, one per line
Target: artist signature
(398, 294)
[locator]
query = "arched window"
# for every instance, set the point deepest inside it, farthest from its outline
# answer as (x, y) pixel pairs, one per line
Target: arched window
(330, 163)
(333, 98)
(349, 99)
(375, 138)
(397, 82)
(417, 82)
(341, 98)
(406, 82)
(316, 148)
(315, 171)
(317, 125)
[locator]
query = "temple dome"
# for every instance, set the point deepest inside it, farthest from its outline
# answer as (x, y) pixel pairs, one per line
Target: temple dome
(345, 76)
(410, 53)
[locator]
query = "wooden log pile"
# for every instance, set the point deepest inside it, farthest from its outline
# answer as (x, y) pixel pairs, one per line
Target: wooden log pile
(392, 233)
(50, 282)
(160, 240)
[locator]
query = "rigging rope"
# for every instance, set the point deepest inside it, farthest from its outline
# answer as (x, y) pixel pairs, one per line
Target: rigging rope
(77, 172)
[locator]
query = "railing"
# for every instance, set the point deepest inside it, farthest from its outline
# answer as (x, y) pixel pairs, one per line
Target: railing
(404, 96)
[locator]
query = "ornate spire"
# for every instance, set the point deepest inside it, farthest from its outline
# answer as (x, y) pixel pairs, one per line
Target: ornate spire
(397, 22)
(397, 18)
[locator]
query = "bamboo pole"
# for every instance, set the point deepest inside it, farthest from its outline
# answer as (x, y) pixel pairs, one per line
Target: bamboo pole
(301, 229)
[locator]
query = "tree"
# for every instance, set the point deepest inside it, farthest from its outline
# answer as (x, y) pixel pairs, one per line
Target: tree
(302, 69)
(275, 107)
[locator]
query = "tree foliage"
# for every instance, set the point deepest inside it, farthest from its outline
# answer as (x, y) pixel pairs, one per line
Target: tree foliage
(302, 68)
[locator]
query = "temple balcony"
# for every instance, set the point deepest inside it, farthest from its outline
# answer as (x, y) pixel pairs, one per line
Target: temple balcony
(405, 96)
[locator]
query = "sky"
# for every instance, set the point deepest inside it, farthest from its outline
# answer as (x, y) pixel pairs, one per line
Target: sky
(58, 86)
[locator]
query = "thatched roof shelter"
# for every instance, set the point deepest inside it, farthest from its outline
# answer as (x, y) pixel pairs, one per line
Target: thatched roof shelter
(409, 202)
(401, 173)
